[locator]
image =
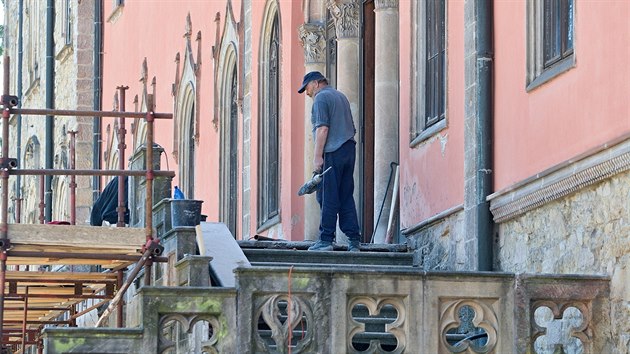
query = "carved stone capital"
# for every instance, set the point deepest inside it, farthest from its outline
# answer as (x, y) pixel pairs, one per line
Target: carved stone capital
(346, 17)
(385, 4)
(313, 40)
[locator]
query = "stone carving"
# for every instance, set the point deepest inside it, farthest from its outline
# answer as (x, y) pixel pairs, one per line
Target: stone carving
(565, 324)
(512, 204)
(346, 18)
(385, 4)
(206, 337)
(374, 306)
(314, 42)
(484, 318)
(283, 315)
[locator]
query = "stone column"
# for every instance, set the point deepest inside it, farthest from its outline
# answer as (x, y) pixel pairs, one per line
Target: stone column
(386, 81)
(345, 15)
(312, 37)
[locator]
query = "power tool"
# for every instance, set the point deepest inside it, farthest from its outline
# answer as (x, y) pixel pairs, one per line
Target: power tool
(310, 185)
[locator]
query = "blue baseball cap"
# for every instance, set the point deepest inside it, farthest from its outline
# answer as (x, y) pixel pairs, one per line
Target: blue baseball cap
(312, 76)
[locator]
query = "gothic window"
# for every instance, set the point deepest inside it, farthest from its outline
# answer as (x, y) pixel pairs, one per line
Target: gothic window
(187, 144)
(429, 106)
(229, 147)
(270, 143)
(549, 40)
(231, 220)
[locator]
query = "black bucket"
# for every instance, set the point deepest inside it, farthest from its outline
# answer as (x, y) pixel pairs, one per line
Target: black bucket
(185, 212)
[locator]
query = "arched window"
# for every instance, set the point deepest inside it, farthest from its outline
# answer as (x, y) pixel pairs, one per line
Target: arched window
(31, 184)
(187, 143)
(269, 131)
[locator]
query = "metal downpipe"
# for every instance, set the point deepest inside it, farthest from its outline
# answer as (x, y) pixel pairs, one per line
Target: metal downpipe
(485, 57)
(50, 101)
(18, 180)
(96, 126)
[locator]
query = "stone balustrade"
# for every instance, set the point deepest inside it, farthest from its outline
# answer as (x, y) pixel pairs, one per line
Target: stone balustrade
(345, 309)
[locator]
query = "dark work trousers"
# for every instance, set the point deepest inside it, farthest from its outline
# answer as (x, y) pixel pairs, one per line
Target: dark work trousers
(335, 194)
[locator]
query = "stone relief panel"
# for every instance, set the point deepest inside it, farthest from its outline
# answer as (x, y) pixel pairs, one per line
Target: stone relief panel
(376, 325)
(188, 333)
(284, 321)
(346, 17)
(468, 326)
(313, 40)
(564, 326)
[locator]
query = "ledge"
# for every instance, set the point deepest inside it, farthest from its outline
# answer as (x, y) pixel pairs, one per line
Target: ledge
(561, 180)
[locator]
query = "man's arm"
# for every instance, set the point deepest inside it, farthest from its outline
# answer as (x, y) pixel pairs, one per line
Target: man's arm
(321, 134)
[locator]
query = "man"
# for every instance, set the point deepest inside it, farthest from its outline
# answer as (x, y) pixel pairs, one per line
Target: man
(333, 132)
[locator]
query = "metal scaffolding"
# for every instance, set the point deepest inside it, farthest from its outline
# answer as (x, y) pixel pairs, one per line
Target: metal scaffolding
(31, 299)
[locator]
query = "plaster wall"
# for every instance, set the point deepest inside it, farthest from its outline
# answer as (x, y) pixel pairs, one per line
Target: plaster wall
(581, 109)
(431, 172)
(141, 30)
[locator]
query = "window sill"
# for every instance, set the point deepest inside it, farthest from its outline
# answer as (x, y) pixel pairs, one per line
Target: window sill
(564, 65)
(268, 224)
(428, 133)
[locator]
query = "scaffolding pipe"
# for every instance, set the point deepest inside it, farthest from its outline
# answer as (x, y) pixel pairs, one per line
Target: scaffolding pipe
(122, 193)
(25, 319)
(119, 309)
(77, 113)
(52, 172)
(73, 181)
(5, 194)
(79, 314)
(149, 192)
(123, 289)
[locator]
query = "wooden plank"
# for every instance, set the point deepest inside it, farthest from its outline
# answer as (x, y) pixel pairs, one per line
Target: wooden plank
(73, 235)
(31, 247)
(67, 261)
(71, 276)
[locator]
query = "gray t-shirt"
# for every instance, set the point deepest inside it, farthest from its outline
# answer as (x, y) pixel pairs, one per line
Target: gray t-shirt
(332, 109)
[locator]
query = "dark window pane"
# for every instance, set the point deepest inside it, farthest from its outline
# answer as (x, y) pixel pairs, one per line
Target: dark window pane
(435, 62)
(269, 195)
(557, 30)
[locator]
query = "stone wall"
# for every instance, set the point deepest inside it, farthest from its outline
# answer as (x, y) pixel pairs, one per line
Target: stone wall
(582, 233)
(73, 89)
(442, 244)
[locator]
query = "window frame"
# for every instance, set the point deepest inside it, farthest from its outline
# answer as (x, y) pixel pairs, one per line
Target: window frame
(269, 158)
(421, 128)
(540, 70)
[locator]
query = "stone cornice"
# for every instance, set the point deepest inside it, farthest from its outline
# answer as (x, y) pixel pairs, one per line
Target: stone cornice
(314, 42)
(385, 4)
(346, 17)
(561, 181)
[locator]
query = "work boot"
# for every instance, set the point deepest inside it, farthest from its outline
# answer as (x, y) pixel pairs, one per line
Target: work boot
(354, 246)
(321, 246)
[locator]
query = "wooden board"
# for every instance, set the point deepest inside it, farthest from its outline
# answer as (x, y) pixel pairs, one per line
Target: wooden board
(90, 237)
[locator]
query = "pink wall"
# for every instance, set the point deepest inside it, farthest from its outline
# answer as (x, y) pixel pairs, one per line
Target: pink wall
(582, 108)
(155, 32)
(431, 173)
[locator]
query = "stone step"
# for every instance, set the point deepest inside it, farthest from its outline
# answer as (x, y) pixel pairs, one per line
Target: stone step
(281, 257)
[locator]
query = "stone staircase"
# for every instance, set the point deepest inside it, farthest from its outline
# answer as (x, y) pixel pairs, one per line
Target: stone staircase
(365, 259)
